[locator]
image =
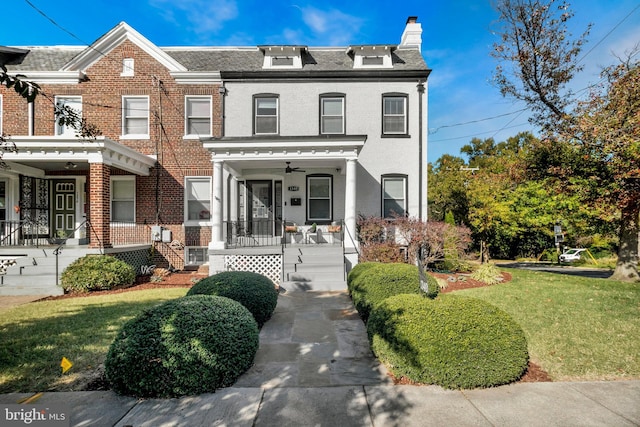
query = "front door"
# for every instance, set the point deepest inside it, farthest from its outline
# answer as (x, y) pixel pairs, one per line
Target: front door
(64, 207)
(260, 207)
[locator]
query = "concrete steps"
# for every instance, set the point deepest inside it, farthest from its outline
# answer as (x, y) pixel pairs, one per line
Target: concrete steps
(35, 270)
(317, 267)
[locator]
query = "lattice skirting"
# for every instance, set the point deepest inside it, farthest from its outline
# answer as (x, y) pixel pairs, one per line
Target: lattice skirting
(267, 265)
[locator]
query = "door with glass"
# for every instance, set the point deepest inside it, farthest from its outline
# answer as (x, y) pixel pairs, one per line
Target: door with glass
(260, 207)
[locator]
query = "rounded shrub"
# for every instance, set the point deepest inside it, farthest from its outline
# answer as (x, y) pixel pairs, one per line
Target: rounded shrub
(186, 346)
(357, 270)
(97, 273)
(379, 281)
(452, 341)
(254, 291)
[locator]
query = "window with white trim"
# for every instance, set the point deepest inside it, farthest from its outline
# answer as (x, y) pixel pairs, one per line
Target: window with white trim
(62, 104)
(394, 115)
(123, 198)
(197, 199)
(319, 198)
(135, 116)
(394, 196)
(198, 116)
(332, 115)
(266, 115)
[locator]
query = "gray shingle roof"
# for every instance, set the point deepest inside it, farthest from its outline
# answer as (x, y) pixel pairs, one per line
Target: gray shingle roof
(226, 59)
(46, 58)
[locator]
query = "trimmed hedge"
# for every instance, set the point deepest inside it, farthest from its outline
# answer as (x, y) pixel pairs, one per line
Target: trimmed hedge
(357, 270)
(254, 291)
(96, 273)
(377, 281)
(187, 346)
(452, 341)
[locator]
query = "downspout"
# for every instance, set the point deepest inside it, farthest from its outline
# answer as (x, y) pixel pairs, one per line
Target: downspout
(420, 87)
(223, 93)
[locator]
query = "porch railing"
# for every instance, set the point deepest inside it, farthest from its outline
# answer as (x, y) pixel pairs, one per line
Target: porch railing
(26, 233)
(244, 234)
(130, 233)
(21, 232)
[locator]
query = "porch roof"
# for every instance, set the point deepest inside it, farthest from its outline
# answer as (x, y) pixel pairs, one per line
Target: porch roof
(54, 152)
(250, 152)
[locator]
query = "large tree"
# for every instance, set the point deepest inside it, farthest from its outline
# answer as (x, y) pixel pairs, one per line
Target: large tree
(537, 58)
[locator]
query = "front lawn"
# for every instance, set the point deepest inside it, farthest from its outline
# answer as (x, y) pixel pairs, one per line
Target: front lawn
(577, 328)
(34, 338)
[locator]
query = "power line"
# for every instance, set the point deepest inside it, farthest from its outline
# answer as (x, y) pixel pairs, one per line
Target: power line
(475, 121)
(615, 27)
(476, 134)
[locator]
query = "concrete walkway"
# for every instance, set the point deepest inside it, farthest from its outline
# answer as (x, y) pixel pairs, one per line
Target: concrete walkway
(314, 368)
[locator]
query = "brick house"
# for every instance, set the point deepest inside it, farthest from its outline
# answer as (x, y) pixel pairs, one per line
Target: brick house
(208, 150)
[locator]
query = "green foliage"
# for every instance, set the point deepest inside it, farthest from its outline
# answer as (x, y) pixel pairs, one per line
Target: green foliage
(187, 346)
(96, 273)
(378, 281)
(449, 218)
(254, 291)
(358, 270)
(488, 273)
(451, 341)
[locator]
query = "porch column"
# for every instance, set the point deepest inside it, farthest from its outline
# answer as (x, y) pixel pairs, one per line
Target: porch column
(350, 205)
(217, 240)
(99, 232)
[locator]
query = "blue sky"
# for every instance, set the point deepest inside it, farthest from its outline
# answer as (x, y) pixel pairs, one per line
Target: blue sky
(457, 39)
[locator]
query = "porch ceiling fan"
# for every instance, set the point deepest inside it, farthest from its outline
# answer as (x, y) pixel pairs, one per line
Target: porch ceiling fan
(289, 169)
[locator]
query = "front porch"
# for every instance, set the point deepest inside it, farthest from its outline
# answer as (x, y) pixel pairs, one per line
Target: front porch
(284, 190)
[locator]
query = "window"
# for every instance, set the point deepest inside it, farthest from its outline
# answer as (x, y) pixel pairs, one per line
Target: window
(372, 61)
(71, 102)
(196, 255)
(198, 116)
(123, 199)
(394, 114)
(127, 67)
(319, 193)
(0, 114)
(282, 61)
(332, 115)
(394, 196)
(135, 116)
(198, 198)
(266, 115)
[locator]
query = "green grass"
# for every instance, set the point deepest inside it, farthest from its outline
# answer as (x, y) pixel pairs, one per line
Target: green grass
(34, 338)
(577, 328)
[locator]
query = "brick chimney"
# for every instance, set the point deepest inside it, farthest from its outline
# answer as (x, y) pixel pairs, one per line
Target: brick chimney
(412, 35)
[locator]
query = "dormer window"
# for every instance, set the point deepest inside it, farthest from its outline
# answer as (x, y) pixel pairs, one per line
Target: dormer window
(281, 61)
(372, 60)
(282, 57)
(371, 56)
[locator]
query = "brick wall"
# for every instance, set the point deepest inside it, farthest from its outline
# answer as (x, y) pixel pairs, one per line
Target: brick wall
(163, 191)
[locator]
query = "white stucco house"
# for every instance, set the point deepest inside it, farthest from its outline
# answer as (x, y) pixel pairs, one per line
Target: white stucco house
(316, 135)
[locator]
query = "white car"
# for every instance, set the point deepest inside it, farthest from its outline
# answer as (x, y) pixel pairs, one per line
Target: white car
(571, 255)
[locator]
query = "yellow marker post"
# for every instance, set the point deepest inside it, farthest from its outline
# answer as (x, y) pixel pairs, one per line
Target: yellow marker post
(65, 364)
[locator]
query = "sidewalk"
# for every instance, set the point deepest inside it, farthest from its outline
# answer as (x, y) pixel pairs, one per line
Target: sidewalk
(314, 368)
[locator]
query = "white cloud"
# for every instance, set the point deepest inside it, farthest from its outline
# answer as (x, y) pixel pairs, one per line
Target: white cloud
(203, 16)
(328, 27)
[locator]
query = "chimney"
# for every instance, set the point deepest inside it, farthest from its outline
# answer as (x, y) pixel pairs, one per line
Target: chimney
(412, 35)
